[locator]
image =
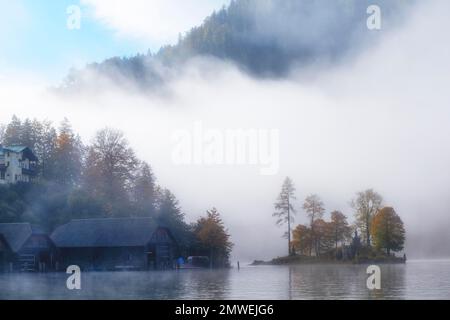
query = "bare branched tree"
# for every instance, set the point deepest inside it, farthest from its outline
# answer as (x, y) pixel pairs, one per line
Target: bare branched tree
(285, 210)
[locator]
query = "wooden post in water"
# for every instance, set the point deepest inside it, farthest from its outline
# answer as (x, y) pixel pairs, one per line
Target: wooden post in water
(239, 266)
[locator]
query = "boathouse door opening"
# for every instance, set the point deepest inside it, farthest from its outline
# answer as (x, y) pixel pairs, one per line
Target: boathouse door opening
(164, 257)
(151, 258)
(2, 260)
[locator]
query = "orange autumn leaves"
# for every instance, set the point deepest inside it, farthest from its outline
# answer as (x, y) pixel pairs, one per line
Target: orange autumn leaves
(213, 238)
(387, 230)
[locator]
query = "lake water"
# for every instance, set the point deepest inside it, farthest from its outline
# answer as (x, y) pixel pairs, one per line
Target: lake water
(415, 280)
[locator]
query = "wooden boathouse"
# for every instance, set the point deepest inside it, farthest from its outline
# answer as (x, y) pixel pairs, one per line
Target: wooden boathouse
(115, 244)
(24, 247)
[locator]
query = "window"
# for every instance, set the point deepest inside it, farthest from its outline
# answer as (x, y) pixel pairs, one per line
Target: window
(2, 175)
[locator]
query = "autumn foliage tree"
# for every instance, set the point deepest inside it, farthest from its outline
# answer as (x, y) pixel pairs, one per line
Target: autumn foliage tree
(67, 156)
(323, 237)
(301, 239)
(213, 238)
(322, 240)
(340, 228)
(388, 231)
(314, 209)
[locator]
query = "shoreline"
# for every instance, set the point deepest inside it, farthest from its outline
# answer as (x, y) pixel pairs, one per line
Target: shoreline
(304, 260)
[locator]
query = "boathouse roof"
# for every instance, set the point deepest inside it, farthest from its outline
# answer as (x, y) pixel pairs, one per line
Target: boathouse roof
(16, 234)
(112, 232)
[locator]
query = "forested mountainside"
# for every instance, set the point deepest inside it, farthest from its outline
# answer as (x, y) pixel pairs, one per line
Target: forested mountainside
(263, 37)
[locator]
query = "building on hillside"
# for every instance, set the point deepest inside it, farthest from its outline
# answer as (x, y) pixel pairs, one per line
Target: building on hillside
(25, 248)
(17, 164)
(115, 244)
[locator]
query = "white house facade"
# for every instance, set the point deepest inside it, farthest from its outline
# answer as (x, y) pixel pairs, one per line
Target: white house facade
(17, 164)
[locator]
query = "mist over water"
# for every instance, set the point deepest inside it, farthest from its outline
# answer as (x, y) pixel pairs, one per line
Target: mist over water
(415, 280)
(378, 121)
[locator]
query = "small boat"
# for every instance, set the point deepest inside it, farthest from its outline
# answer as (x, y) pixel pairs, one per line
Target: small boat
(195, 262)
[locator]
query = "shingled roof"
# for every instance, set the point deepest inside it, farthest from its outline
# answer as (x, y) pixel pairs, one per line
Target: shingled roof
(18, 149)
(120, 232)
(16, 234)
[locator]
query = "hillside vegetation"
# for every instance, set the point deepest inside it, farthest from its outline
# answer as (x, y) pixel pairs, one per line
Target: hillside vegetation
(265, 38)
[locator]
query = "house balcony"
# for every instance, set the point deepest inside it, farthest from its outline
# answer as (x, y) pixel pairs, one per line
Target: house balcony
(30, 172)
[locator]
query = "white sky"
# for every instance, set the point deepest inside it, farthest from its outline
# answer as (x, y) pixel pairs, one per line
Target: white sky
(154, 21)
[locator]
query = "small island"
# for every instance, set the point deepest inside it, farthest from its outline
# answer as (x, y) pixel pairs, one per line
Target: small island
(376, 235)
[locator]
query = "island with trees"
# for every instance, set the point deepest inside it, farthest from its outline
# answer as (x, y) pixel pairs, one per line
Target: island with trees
(376, 235)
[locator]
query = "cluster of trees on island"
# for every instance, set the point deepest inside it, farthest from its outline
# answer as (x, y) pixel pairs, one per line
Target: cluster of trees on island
(380, 227)
(101, 180)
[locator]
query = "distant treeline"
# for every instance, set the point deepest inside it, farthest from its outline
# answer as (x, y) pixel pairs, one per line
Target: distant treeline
(103, 179)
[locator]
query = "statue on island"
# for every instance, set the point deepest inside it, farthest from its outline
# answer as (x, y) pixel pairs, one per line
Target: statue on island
(355, 246)
(349, 252)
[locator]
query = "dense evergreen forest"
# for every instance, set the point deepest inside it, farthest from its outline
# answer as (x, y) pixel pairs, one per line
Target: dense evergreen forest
(262, 37)
(100, 180)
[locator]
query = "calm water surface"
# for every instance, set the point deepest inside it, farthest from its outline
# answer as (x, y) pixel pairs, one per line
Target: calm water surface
(415, 280)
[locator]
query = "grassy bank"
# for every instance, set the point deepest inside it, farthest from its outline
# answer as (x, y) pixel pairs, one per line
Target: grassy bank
(298, 259)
